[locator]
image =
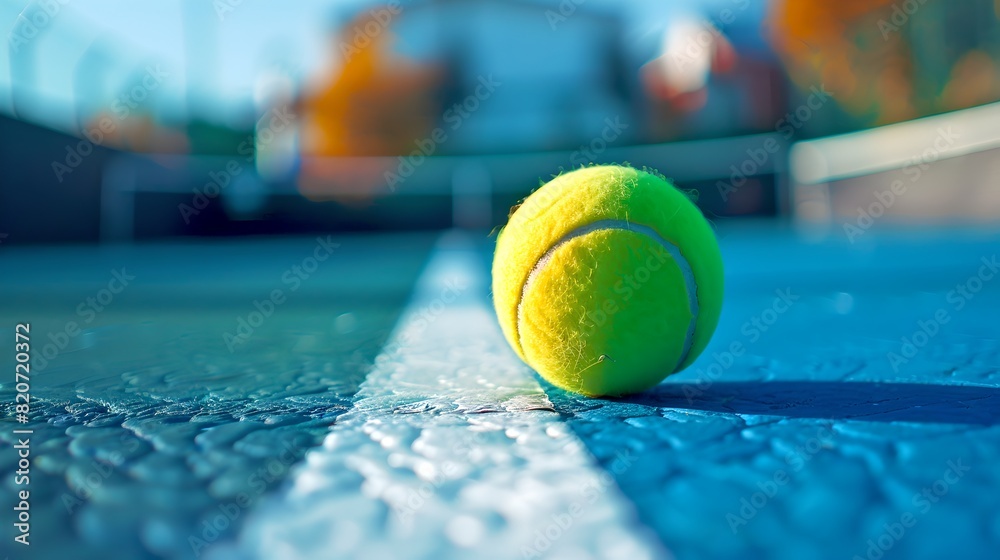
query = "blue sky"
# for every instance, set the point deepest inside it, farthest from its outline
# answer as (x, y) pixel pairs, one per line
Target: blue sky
(249, 36)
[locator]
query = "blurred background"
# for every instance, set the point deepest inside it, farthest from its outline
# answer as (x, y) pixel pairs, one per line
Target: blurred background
(213, 155)
(123, 121)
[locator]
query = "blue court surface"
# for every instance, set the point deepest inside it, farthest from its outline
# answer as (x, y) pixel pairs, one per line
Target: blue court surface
(245, 279)
(847, 407)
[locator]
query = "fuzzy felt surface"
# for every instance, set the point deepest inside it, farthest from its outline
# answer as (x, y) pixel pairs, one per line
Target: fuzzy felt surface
(639, 343)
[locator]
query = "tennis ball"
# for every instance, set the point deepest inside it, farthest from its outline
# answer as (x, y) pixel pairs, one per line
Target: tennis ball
(606, 280)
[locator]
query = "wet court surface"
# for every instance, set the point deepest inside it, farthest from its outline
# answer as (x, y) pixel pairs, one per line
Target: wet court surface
(847, 405)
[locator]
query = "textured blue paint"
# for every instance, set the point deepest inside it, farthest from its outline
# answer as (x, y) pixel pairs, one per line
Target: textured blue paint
(815, 398)
(812, 411)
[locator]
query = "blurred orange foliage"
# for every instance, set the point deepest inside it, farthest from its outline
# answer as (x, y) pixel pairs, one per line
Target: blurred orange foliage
(861, 50)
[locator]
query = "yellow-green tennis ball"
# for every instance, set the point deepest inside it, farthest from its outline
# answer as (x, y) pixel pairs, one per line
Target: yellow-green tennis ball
(606, 280)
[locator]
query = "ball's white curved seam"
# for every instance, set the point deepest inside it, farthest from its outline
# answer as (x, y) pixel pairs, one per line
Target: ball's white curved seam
(674, 251)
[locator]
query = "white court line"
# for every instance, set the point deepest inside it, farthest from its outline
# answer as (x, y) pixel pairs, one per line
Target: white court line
(452, 450)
